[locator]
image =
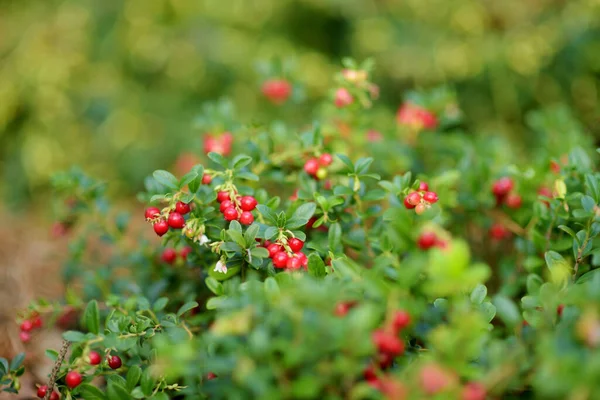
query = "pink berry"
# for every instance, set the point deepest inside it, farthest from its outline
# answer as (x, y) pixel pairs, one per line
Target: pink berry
(311, 166)
(434, 379)
(343, 98)
(25, 337)
(230, 214)
(513, 200)
(295, 244)
(73, 379)
(248, 203)
(325, 160)
(151, 213)
(182, 208)
(423, 187)
(473, 391)
(115, 362)
(280, 259)
(277, 90)
(26, 326)
(161, 227)
(176, 220)
(246, 218)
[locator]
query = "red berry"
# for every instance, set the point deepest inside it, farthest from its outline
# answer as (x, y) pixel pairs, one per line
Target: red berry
(206, 179)
(210, 376)
(95, 358)
(311, 166)
(513, 201)
(369, 373)
(225, 205)
(169, 256)
(277, 90)
(555, 167)
(427, 240)
(185, 251)
(430, 197)
(499, 232)
(434, 379)
(387, 343)
(473, 391)
(37, 322)
(55, 396)
(248, 203)
(303, 258)
(151, 213)
(293, 263)
(176, 220)
(326, 159)
(502, 186)
(115, 362)
(73, 379)
(182, 208)
(26, 326)
(280, 259)
(401, 320)
(25, 337)
(423, 187)
(341, 309)
(246, 218)
(559, 309)
(414, 198)
(420, 208)
(295, 244)
(343, 98)
(230, 214)
(407, 204)
(41, 391)
(273, 249)
(393, 389)
(161, 227)
(222, 196)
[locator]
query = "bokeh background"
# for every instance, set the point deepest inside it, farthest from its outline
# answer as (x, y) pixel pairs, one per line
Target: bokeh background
(115, 85)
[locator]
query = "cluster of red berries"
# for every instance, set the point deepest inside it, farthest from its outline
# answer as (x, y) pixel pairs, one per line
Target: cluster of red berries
(293, 260)
(277, 90)
(174, 220)
(416, 117)
(238, 208)
(428, 239)
(28, 325)
(502, 189)
(420, 200)
(218, 144)
(169, 255)
(316, 167)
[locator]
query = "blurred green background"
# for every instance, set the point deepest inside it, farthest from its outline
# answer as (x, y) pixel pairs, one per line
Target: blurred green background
(115, 85)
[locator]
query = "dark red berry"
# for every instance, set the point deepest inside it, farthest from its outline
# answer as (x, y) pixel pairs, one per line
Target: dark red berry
(37, 322)
(325, 160)
(176, 220)
(295, 244)
(95, 358)
(151, 213)
(222, 196)
(230, 214)
(55, 396)
(427, 240)
(182, 208)
(401, 320)
(246, 218)
(430, 197)
(161, 227)
(513, 201)
(25, 337)
(169, 256)
(41, 391)
(387, 343)
(206, 179)
(185, 251)
(115, 362)
(273, 249)
(73, 379)
(559, 309)
(413, 198)
(248, 203)
(280, 259)
(499, 232)
(210, 376)
(423, 187)
(26, 326)
(502, 186)
(225, 204)
(311, 166)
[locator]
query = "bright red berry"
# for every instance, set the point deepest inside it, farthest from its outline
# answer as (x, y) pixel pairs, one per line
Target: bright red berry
(423, 187)
(326, 159)
(25, 337)
(499, 232)
(230, 214)
(311, 166)
(185, 251)
(182, 208)
(413, 198)
(277, 90)
(407, 204)
(246, 218)
(161, 227)
(222, 196)
(473, 391)
(387, 343)
(37, 322)
(343, 98)
(115, 362)
(303, 258)
(26, 326)
(427, 240)
(225, 204)
(73, 379)
(248, 203)
(206, 179)
(401, 320)
(55, 396)
(176, 220)
(430, 197)
(151, 213)
(293, 263)
(280, 259)
(210, 376)
(295, 244)
(95, 358)
(513, 201)
(169, 256)
(41, 391)
(502, 186)
(273, 249)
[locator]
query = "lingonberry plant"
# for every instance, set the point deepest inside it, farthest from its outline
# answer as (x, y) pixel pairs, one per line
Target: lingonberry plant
(303, 268)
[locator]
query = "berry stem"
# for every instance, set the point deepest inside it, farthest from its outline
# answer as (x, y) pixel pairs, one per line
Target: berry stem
(56, 368)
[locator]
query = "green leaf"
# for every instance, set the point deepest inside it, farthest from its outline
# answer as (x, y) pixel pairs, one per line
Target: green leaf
(489, 310)
(271, 232)
(133, 376)
(305, 211)
(74, 336)
(250, 234)
(166, 178)
(215, 302)
(272, 289)
(335, 238)
(195, 184)
(362, 165)
(187, 178)
(316, 266)
(478, 294)
(160, 396)
(267, 213)
(215, 286)
(553, 258)
(259, 252)
(534, 283)
(90, 392)
(3, 366)
(116, 392)
(237, 237)
(569, 231)
(217, 158)
(588, 275)
(247, 175)
(17, 361)
(160, 304)
(147, 382)
(240, 161)
(507, 310)
(51, 354)
(374, 195)
(186, 307)
(91, 317)
(346, 161)
(588, 203)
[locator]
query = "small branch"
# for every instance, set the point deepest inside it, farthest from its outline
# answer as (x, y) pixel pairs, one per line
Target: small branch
(56, 368)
